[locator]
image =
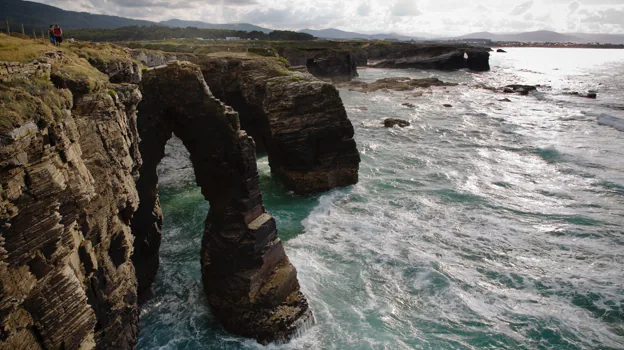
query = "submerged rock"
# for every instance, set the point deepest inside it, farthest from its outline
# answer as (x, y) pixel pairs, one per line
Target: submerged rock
(519, 89)
(409, 105)
(391, 122)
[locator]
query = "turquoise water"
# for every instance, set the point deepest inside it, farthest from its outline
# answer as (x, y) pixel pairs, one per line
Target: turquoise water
(487, 225)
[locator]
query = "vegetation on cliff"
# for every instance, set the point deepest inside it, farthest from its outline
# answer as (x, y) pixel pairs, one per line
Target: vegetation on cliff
(38, 83)
(156, 32)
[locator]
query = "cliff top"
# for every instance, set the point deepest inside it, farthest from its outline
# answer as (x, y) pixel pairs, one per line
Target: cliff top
(38, 83)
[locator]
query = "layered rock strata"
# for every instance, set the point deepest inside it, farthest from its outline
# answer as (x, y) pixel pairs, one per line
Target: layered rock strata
(335, 65)
(67, 172)
(427, 56)
(76, 247)
(299, 120)
(250, 284)
(397, 84)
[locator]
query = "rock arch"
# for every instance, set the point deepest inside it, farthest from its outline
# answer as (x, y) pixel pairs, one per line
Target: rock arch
(250, 284)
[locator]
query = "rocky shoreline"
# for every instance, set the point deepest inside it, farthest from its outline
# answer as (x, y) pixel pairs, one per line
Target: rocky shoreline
(80, 221)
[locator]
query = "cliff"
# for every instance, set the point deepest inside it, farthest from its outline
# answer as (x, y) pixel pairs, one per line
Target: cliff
(68, 170)
(79, 212)
(298, 120)
(427, 56)
(334, 65)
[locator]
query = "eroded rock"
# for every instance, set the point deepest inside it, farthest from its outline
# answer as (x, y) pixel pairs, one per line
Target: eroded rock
(298, 120)
(391, 122)
(397, 84)
(249, 282)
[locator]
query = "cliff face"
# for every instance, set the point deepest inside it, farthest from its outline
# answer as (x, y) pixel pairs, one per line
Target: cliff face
(427, 56)
(335, 65)
(67, 169)
(79, 214)
(250, 284)
(299, 120)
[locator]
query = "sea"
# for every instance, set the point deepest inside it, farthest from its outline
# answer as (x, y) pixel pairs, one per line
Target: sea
(496, 223)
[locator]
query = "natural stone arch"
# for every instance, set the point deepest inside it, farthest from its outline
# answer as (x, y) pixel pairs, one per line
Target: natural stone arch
(251, 286)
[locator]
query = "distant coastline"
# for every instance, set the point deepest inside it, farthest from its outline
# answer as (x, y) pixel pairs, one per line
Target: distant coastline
(557, 45)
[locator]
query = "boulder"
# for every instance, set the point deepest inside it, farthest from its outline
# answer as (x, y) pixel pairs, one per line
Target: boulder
(519, 89)
(391, 122)
(501, 51)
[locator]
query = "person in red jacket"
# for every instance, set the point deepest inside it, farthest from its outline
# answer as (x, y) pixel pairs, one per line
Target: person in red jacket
(58, 35)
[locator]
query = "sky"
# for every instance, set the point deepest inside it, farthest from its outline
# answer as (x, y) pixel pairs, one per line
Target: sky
(415, 17)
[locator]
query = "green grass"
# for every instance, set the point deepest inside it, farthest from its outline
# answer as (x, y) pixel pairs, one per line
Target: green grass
(15, 49)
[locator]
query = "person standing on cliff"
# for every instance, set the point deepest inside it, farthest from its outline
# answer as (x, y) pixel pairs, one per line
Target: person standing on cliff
(51, 34)
(58, 35)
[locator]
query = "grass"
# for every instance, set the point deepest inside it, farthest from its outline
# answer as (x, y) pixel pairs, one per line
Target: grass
(15, 49)
(39, 98)
(35, 99)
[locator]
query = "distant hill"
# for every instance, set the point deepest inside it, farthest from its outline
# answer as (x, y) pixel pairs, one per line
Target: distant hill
(537, 36)
(39, 16)
(332, 33)
(601, 38)
(229, 26)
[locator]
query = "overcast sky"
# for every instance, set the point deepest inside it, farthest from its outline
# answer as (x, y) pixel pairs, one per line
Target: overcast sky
(442, 17)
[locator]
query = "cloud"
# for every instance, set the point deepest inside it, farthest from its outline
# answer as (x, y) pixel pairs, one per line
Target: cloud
(613, 16)
(364, 9)
(180, 4)
(442, 17)
(522, 8)
(405, 8)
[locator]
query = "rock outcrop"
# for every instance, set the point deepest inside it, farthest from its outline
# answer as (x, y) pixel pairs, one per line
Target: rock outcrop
(152, 58)
(335, 65)
(519, 89)
(79, 212)
(298, 120)
(250, 284)
(428, 56)
(392, 122)
(397, 84)
(67, 170)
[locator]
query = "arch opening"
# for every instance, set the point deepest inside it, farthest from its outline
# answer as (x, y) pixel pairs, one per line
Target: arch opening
(246, 275)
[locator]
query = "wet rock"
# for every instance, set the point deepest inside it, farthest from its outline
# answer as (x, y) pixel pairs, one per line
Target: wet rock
(447, 105)
(397, 84)
(391, 122)
(501, 51)
(409, 105)
(519, 89)
(251, 286)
